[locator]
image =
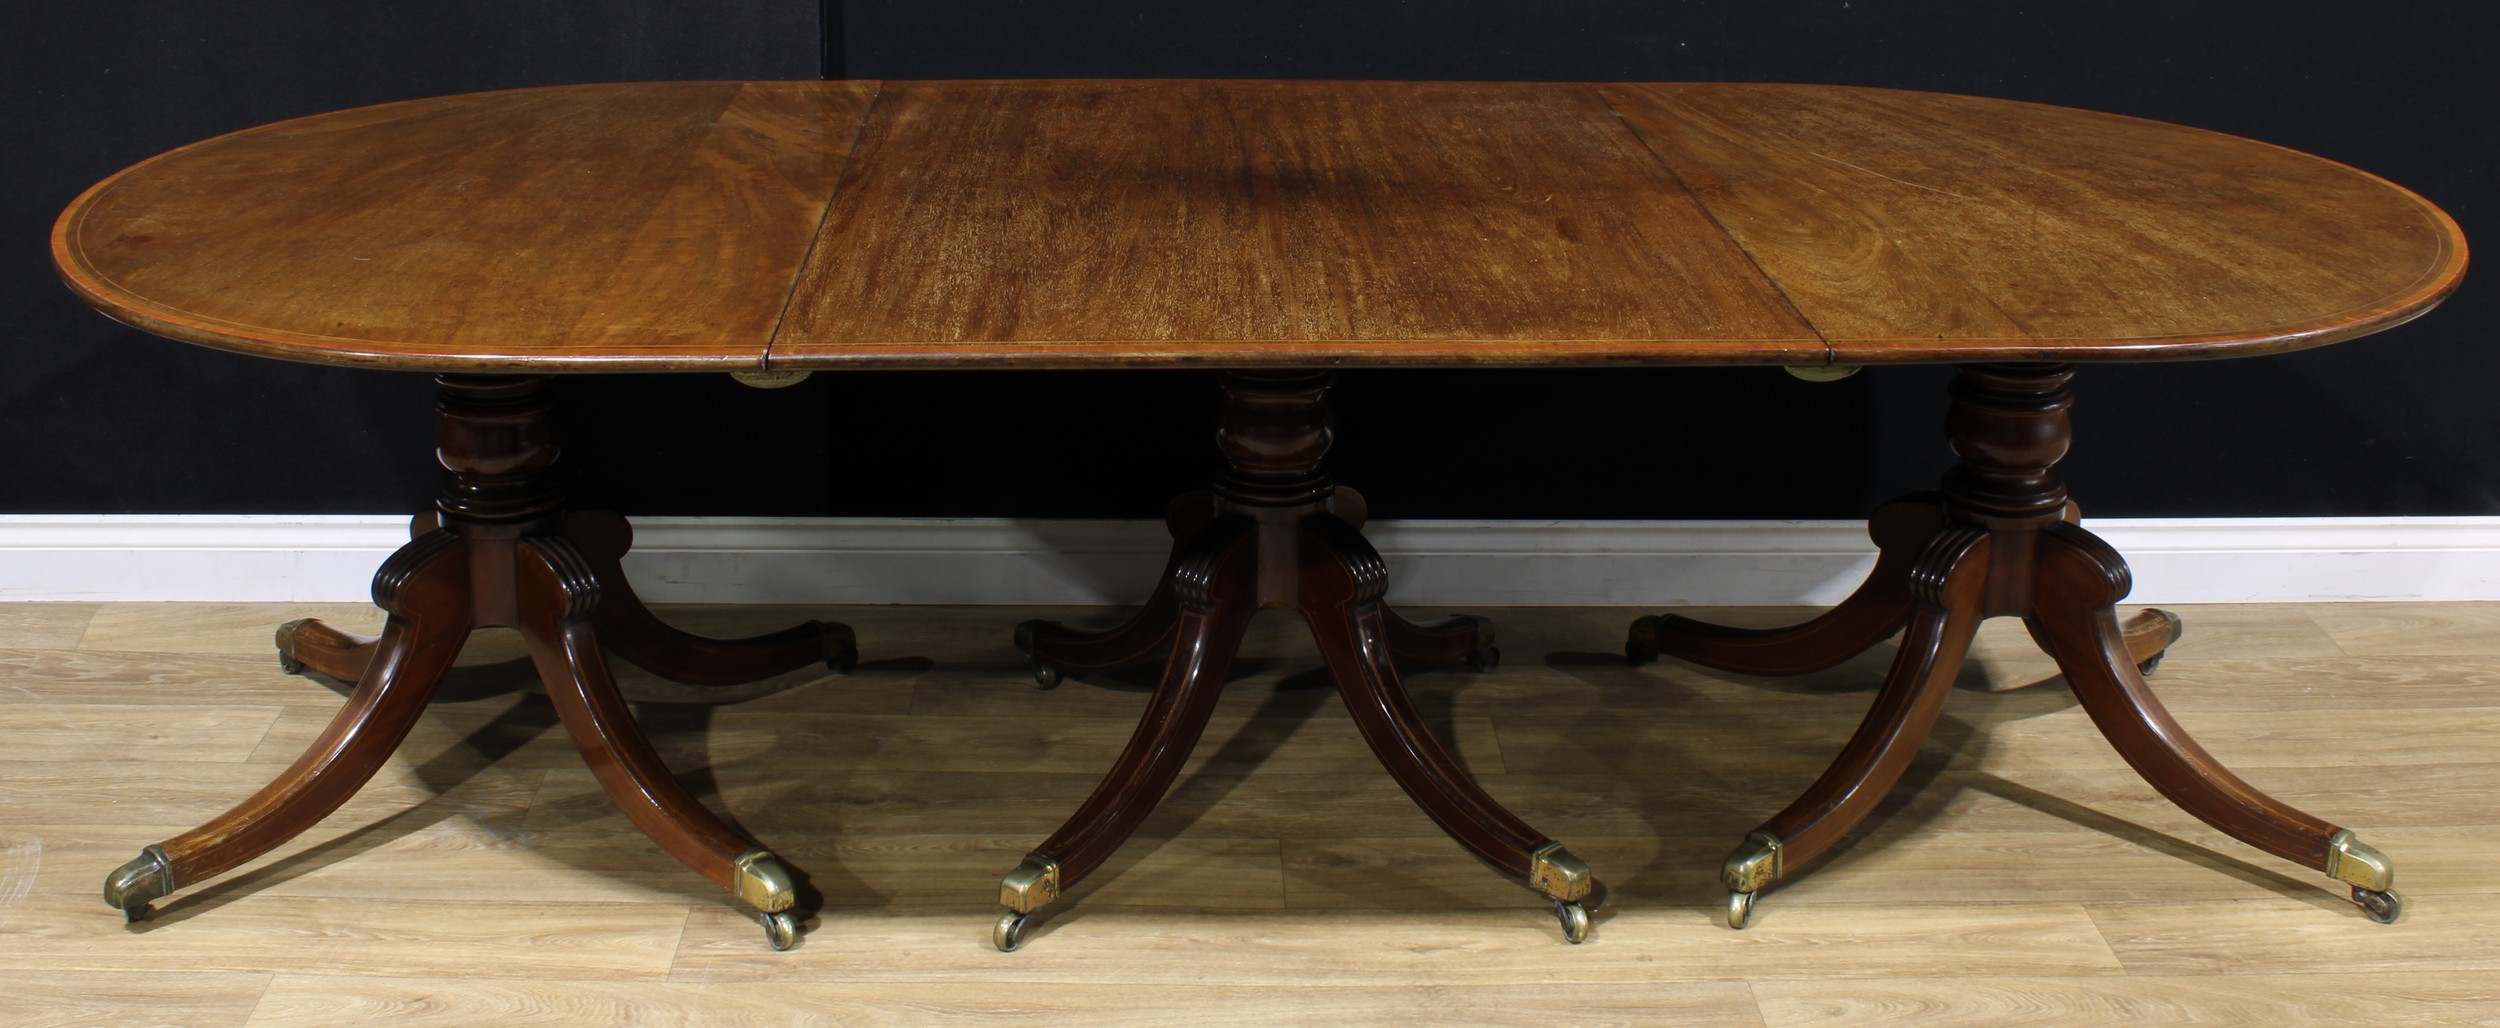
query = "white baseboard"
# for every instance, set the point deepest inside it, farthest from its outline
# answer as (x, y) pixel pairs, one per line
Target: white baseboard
(310, 559)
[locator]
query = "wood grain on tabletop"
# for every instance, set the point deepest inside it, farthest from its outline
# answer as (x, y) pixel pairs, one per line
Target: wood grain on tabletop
(1929, 227)
(647, 226)
(673, 226)
(1230, 223)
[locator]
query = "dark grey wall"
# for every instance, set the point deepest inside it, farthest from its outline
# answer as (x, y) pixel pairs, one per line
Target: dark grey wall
(102, 419)
(95, 417)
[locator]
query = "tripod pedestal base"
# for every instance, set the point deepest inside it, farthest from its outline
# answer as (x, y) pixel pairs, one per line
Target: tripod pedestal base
(1276, 534)
(2000, 540)
(499, 552)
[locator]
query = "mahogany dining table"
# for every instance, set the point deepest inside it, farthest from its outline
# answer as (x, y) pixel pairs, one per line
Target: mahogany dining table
(1268, 232)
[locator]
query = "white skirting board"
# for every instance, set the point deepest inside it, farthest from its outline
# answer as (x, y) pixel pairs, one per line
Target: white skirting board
(314, 559)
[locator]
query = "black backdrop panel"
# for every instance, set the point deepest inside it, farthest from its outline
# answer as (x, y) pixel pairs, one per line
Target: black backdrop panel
(100, 418)
(103, 419)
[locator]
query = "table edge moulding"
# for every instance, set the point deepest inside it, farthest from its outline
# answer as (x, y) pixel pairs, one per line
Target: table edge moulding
(1268, 232)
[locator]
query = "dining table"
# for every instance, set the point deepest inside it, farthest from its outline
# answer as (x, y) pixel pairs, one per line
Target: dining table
(1268, 233)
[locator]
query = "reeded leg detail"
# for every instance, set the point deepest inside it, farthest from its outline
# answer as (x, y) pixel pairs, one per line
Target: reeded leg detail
(558, 595)
(1283, 537)
(2007, 542)
(1213, 590)
(2081, 578)
(307, 643)
(1342, 580)
(629, 628)
(1870, 615)
(494, 552)
(424, 587)
(1948, 588)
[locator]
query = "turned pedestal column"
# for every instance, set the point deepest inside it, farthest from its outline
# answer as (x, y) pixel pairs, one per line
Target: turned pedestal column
(1999, 540)
(1276, 533)
(499, 550)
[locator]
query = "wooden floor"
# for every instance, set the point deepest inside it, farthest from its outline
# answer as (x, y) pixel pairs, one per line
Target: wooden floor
(2023, 874)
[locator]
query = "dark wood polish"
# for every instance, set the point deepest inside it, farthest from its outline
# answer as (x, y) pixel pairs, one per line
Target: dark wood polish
(1282, 226)
(1343, 581)
(2079, 578)
(499, 551)
(1212, 580)
(1947, 586)
(1879, 607)
(632, 631)
(1066, 224)
(424, 589)
(2000, 540)
(1275, 541)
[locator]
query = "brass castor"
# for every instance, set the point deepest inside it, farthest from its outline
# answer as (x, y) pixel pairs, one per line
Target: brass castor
(1486, 658)
(286, 648)
(781, 928)
(2383, 907)
(132, 886)
(1575, 921)
(1009, 933)
(1739, 910)
(1028, 639)
(2177, 631)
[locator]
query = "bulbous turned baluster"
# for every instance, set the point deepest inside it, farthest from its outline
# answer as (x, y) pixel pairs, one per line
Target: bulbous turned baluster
(2009, 426)
(1275, 431)
(496, 437)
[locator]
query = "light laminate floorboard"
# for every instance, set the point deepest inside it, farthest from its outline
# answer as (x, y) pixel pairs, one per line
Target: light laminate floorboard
(2021, 874)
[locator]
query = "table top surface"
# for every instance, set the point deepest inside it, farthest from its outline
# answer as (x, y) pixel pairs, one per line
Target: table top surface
(1066, 224)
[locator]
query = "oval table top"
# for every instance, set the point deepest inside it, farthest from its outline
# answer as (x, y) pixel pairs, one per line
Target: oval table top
(1066, 224)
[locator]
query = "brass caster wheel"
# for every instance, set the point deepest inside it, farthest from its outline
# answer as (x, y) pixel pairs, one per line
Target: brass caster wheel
(132, 886)
(286, 648)
(2177, 629)
(1010, 931)
(1485, 659)
(781, 928)
(1046, 676)
(2383, 907)
(1575, 921)
(1739, 910)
